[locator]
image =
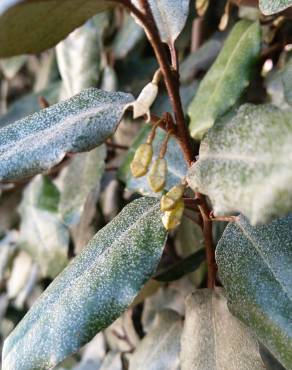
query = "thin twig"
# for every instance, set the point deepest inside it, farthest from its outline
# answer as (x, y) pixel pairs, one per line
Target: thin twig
(117, 146)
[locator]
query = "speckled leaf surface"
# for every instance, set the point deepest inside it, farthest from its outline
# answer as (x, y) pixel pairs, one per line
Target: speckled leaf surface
(75, 125)
(42, 234)
(30, 26)
(160, 348)
(81, 180)
(213, 338)
(245, 164)
(78, 58)
(274, 6)
(177, 167)
(227, 78)
(92, 291)
(170, 17)
(255, 269)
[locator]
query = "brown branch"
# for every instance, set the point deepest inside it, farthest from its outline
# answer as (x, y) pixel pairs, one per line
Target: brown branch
(116, 146)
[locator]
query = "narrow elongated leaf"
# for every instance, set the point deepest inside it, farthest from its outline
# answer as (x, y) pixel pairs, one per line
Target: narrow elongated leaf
(181, 268)
(28, 26)
(245, 164)
(176, 164)
(81, 178)
(274, 6)
(78, 124)
(127, 38)
(160, 348)
(78, 58)
(170, 17)
(214, 339)
(227, 78)
(42, 234)
(92, 291)
(29, 104)
(255, 269)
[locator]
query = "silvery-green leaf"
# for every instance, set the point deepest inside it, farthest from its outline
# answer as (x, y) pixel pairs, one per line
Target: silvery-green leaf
(287, 81)
(7, 248)
(11, 66)
(177, 167)
(42, 234)
(30, 27)
(245, 164)
(160, 348)
(170, 17)
(80, 179)
(214, 339)
(200, 59)
(21, 268)
(274, 6)
(75, 125)
(255, 268)
(29, 104)
(227, 78)
(127, 37)
(93, 354)
(78, 59)
(112, 361)
(92, 291)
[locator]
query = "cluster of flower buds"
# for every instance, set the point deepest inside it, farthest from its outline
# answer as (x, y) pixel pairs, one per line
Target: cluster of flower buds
(143, 158)
(172, 205)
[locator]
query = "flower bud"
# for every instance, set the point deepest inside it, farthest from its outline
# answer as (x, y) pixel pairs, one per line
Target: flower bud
(170, 199)
(141, 161)
(157, 175)
(142, 104)
(171, 219)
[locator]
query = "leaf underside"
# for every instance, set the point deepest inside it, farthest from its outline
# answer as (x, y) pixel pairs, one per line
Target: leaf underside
(255, 269)
(92, 291)
(31, 26)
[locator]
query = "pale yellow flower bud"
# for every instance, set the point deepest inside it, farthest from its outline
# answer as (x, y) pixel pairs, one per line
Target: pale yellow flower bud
(142, 159)
(157, 175)
(171, 219)
(170, 199)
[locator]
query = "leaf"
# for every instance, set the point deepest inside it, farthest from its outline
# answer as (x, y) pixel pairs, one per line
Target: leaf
(181, 268)
(75, 125)
(81, 179)
(78, 58)
(200, 59)
(31, 27)
(269, 7)
(176, 163)
(227, 78)
(11, 66)
(160, 348)
(244, 164)
(127, 37)
(255, 269)
(42, 234)
(92, 291)
(170, 17)
(213, 339)
(29, 104)
(287, 81)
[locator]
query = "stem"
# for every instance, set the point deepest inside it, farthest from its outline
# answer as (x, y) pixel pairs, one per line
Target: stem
(171, 80)
(208, 240)
(173, 54)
